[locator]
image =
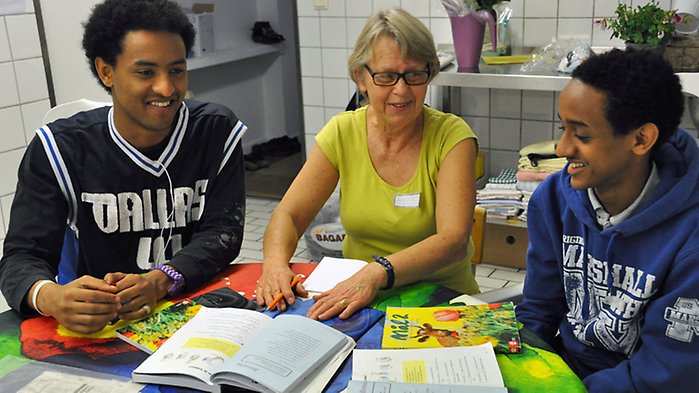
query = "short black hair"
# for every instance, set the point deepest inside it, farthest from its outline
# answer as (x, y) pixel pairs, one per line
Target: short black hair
(640, 87)
(111, 20)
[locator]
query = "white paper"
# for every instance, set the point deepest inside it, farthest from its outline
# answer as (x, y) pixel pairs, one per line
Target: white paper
(331, 271)
(474, 365)
(56, 382)
(400, 387)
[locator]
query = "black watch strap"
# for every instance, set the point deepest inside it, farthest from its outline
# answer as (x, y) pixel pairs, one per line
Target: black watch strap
(389, 270)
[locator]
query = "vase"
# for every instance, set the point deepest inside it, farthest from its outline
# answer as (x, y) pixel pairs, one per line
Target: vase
(468, 32)
(656, 49)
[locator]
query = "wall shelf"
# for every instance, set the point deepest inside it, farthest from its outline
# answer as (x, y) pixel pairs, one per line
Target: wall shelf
(224, 56)
(509, 77)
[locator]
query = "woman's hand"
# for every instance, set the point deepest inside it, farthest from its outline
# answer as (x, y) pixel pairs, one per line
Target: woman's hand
(276, 280)
(349, 296)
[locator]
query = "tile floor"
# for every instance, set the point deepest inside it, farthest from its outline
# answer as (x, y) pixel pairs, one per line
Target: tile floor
(489, 277)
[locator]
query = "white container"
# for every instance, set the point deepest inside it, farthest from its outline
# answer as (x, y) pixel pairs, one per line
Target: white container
(204, 40)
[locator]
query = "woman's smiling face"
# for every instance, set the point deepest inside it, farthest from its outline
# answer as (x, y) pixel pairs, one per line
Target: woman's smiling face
(399, 105)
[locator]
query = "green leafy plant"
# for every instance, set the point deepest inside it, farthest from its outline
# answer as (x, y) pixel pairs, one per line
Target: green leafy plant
(646, 24)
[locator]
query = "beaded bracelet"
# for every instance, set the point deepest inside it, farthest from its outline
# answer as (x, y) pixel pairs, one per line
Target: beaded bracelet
(389, 270)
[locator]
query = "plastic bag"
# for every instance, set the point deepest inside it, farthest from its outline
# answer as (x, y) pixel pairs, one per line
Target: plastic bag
(325, 234)
(558, 56)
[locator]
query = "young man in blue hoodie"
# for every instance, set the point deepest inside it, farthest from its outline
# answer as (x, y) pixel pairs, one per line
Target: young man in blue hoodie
(613, 262)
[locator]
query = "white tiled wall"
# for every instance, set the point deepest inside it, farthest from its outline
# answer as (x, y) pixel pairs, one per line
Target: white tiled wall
(24, 98)
(505, 120)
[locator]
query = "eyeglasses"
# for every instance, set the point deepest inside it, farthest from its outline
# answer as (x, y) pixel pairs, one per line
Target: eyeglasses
(411, 78)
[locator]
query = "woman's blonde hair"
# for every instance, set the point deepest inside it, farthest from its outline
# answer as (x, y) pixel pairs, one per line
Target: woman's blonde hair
(414, 39)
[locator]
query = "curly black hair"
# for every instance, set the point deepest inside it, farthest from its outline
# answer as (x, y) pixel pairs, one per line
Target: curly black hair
(640, 87)
(111, 20)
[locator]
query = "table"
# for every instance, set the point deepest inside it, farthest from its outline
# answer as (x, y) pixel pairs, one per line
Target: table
(535, 370)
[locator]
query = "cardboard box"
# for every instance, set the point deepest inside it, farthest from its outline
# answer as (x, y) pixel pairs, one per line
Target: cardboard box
(505, 245)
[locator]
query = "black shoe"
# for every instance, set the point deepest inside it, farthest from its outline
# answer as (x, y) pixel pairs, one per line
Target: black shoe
(250, 164)
(278, 147)
(263, 33)
(259, 160)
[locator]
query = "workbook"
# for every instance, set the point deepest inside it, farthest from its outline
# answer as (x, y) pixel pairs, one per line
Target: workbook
(448, 367)
(248, 349)
(452, 326)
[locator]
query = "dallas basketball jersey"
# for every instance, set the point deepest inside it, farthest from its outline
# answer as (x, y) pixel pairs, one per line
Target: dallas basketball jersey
(180, 202)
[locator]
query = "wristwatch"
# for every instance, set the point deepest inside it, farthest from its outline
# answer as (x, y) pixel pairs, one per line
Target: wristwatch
(177, 278)
(391, 275)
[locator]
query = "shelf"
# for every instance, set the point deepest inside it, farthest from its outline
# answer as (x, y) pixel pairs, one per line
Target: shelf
(509, 77)
(500, 77)
(511, 222)
(224, 56)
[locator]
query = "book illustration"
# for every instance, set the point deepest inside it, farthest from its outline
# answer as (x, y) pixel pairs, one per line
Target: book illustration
(150, 333)
(452, 326)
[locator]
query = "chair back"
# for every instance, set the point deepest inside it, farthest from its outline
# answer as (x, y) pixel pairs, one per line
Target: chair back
(68, 109)
(478, 234)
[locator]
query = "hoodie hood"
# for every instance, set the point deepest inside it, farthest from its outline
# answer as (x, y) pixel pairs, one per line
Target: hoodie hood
(678, 191)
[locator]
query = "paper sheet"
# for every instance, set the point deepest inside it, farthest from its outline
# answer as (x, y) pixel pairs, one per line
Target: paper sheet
(330, 271)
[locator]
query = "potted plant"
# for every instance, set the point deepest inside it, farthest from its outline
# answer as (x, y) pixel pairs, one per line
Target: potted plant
(648, 25)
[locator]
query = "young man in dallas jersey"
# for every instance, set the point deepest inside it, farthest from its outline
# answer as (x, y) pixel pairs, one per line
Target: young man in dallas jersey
(613, 261)
(147, 196)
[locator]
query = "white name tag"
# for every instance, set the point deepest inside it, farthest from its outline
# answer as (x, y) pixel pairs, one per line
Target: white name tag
(406, 200)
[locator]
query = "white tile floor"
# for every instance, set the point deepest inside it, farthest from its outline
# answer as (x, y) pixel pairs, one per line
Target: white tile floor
(489, 277)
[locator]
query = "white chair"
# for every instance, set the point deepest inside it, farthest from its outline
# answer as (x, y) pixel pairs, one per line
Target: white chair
(68, 109)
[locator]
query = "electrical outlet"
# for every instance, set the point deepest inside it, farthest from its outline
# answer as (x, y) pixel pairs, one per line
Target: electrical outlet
(320, 4)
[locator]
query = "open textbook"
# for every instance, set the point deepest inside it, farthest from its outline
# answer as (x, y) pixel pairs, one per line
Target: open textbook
(248, 349)
(475, 366)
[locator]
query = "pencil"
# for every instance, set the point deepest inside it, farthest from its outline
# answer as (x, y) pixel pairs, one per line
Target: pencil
(279, 297)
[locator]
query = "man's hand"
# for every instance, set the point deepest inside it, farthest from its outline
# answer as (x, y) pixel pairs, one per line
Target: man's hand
(85, 305)
(137, 292)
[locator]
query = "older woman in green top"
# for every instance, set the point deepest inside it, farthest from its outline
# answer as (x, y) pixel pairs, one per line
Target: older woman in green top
(406, 173)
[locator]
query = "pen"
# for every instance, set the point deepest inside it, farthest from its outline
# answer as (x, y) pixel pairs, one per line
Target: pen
(279, 297)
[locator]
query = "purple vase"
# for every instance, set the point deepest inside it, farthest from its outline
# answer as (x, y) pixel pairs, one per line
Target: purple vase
(468, 31)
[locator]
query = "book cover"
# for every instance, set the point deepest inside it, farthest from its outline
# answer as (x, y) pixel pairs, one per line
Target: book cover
(150, 333)
(452, 326)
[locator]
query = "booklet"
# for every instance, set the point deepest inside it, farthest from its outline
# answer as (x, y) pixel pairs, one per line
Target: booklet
(452, 326)
(248, 349)
(150, 333)
(400, 387)
(474, 365)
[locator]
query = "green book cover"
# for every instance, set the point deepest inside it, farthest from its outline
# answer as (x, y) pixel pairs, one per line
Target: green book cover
(150, 333)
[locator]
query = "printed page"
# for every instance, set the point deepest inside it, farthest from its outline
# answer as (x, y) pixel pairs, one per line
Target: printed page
(291, 348)
(210, 338)
(399, 387)
(57, 382)
(330, 271)
(475, 365)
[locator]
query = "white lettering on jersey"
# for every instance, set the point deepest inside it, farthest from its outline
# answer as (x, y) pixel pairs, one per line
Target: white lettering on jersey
(133, 212)
(605, 302)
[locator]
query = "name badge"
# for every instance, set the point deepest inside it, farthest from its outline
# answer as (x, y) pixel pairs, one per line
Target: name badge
(406, 200)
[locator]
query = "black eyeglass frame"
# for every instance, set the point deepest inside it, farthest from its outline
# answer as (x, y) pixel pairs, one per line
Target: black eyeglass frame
(399, 75)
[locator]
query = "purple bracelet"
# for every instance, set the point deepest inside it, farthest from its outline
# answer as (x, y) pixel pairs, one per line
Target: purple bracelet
(177, 278)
